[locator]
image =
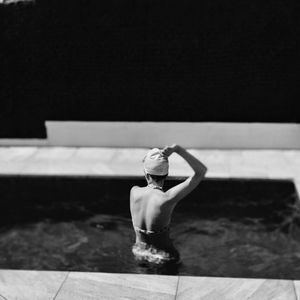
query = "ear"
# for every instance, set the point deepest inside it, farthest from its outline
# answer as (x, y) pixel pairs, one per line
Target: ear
(147, 176)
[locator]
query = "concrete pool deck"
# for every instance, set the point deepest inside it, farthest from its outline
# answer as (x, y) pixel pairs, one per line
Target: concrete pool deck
(71, 161)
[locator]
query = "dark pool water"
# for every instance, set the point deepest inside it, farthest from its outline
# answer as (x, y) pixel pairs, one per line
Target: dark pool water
(225, 228)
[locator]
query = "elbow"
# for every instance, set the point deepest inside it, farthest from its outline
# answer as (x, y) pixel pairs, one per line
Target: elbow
(201, 173)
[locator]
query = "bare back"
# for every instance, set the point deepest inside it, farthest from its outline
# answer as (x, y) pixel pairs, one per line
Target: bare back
(149, 209)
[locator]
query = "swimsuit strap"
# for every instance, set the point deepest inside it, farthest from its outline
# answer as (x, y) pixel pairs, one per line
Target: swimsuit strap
(166, 228)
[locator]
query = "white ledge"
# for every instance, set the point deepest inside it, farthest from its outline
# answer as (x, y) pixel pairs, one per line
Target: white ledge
(158, 134)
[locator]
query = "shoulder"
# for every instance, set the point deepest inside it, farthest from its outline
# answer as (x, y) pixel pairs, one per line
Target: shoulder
(134, 188)
(134, 191)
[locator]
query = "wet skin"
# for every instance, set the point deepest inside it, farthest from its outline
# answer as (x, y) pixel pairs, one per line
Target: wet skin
(150, 211)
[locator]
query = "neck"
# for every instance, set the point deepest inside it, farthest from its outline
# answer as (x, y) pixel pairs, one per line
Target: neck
(155, 186)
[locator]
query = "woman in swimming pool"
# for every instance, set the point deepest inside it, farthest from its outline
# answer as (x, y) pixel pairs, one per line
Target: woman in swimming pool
(151, 207)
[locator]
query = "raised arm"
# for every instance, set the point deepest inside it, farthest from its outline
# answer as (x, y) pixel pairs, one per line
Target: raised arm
(179, 191)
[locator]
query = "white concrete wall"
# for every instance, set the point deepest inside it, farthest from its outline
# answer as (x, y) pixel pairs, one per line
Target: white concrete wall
(150, 134)
(190, 135)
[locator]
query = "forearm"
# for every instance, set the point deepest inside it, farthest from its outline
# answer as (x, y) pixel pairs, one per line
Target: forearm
(194, 163)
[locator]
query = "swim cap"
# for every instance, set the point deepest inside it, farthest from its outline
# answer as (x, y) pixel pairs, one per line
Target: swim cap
(155, 163)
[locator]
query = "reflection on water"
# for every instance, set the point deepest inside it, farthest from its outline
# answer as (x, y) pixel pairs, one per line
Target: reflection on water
(218, 246)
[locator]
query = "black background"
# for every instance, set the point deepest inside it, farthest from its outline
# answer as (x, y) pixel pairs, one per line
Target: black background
(126, 60)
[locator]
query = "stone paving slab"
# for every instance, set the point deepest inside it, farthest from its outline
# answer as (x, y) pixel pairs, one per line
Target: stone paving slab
(106, 286)
(30, 285)
(214, 288)
(53, 154)
(7, 168)
(14, 154)
(297, 288)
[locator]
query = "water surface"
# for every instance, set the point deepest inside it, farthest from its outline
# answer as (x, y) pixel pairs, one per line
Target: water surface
(237, 231)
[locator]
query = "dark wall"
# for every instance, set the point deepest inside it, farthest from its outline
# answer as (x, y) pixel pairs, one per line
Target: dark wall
(129, 60)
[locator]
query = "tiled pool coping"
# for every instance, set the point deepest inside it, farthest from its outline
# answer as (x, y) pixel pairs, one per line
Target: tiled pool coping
(106, 162)
(50, 285)
(71, 161)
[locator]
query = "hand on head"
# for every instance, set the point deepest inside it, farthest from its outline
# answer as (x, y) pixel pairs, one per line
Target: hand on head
(168, 150)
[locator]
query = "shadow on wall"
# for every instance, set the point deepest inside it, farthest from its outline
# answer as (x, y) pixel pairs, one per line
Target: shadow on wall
(188, 60)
